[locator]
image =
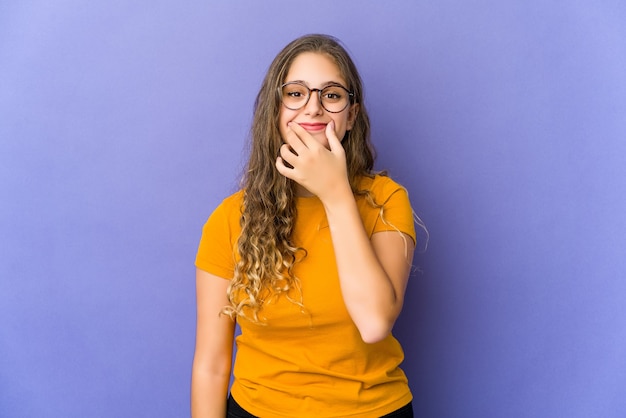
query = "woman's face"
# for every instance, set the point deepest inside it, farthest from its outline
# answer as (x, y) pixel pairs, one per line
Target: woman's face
(316, 71)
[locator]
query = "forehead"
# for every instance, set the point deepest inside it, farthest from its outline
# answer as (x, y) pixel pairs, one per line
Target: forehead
(315, 69)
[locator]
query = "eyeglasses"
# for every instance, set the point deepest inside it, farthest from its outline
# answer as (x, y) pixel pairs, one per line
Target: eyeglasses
(334, 98)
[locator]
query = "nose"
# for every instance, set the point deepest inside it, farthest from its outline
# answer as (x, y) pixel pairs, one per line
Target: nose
(314, 105)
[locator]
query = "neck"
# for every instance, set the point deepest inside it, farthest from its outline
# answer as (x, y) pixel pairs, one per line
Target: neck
(301, 191)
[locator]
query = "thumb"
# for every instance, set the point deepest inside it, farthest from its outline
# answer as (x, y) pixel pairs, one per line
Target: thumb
(333, 140)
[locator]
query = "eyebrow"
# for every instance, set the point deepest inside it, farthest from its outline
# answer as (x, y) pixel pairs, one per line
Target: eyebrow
(326, 84)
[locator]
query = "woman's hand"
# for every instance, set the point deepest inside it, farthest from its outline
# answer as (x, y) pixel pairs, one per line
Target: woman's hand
(322, 171)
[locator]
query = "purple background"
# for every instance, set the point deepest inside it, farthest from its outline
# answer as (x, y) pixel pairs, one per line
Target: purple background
(122, 125)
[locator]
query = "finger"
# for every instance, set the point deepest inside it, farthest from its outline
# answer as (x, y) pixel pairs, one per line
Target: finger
(303, 136)
(288, 155)
(333, 140)
(283, 167)
(293, 140)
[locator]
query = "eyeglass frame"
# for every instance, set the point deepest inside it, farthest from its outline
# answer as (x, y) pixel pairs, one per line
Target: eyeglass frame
(319, 95)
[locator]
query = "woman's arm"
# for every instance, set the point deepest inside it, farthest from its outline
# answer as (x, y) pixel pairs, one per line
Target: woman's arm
(373, 274)
(214, 348)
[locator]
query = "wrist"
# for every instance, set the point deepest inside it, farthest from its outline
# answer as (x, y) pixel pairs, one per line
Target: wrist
(337, 195)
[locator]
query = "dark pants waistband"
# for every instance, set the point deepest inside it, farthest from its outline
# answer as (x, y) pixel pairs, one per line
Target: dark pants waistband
(234, 410)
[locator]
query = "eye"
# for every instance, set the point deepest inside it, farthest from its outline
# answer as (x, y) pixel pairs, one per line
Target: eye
(332, 94)
(295, 91)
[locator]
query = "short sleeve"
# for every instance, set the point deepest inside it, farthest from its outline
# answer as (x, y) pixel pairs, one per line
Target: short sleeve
(216, 251)
(397, 213)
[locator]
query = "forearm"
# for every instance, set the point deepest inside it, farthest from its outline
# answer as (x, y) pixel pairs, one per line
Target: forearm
(214, 348)
(208, 394)
(367, 290)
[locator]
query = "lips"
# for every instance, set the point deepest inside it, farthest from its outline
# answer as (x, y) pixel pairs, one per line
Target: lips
(313, 127)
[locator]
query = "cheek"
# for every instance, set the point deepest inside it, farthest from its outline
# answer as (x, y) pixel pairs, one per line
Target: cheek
(353, 112)
(341, 126)
(283, 119)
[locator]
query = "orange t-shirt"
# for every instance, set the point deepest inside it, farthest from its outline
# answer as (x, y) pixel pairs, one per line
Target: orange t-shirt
(312, 362)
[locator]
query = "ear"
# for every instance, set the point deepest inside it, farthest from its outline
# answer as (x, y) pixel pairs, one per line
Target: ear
(354, 110)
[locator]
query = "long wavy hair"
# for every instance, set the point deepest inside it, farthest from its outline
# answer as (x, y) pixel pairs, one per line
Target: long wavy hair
(266, 251)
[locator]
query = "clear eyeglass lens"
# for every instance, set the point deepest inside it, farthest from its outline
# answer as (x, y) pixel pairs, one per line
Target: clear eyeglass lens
(296, 95)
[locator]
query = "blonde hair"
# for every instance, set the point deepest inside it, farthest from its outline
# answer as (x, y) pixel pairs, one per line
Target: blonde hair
(266, 251)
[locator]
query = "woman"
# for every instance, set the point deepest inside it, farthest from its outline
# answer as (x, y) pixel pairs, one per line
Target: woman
(311, 257)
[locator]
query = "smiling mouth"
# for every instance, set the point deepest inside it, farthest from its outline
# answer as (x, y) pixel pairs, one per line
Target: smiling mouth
(313, 127)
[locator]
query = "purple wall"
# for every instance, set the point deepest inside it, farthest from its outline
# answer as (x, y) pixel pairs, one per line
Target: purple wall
(122, 126)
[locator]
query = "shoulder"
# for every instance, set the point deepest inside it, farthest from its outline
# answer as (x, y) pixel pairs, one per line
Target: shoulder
(381, 186)
(232, 203)
(227, 214)
(384, 206)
